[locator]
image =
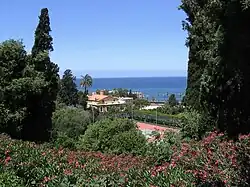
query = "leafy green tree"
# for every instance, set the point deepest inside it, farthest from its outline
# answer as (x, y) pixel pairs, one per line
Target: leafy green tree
(19, 81)
(71, 121)
(68, 89)
(172, 100)
(130, 94)
(139, 103)
(82, 99)
(120, 92)
(42, 106)
(86, 82)
(13, 108)
(105, 92)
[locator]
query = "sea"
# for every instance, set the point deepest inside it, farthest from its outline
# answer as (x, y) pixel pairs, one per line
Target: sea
(153, 88)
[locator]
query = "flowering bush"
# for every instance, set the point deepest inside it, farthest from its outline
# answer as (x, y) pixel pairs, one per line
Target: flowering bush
(36, 165)
(213, 161)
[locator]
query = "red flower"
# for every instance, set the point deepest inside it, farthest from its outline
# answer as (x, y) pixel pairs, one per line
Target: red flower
(193, 153)
(67, 172)
(7, 160)
(77, 164)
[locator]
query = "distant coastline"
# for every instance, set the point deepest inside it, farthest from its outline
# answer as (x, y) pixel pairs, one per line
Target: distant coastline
(158, 88)
(129, 73)
(136, 77)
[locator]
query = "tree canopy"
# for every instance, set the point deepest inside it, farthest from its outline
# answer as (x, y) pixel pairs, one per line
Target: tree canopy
(86, 82)
(172, 100)
(29, 85)
(68, 89)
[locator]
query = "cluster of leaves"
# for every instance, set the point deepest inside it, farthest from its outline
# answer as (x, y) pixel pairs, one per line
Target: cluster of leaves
(172, 100)
(29, 85)
(69, 124)
(195, 125)
(218, 67)
(162, 150)
(171, 110)
(113, 136)
(68, 93)
(140, 103)
(86, 82)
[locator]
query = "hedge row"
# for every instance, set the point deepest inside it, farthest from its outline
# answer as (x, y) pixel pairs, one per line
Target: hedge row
(150, 118)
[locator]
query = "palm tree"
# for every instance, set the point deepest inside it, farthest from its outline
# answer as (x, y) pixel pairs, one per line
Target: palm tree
(86, 82)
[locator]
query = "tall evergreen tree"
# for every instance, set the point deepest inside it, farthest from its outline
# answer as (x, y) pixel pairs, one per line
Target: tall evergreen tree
(43, 39)
(219, 40)
(68, 89)
(195, 42)
(42, 106)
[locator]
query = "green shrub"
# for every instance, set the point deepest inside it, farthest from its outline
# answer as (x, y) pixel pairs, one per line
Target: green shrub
(65, 141)
(162, 150)
(195, 125)
(131, 141)
(112, 135)
(9, 178)
(171, 110)
(70, 121)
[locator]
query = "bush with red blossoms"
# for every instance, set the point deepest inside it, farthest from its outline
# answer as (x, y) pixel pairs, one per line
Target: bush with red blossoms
(39, 165)
(213, 161)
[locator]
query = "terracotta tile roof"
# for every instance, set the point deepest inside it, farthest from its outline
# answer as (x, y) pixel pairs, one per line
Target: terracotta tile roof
(97, 97)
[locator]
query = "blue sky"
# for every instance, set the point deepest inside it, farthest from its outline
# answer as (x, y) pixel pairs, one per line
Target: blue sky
(105, 38)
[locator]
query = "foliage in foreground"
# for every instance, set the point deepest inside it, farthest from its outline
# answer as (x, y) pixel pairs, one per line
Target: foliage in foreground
(214, 160)
(28, 164)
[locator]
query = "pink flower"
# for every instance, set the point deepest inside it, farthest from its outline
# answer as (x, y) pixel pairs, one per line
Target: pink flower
(8, 158)
(173, 165)
(67, 172)
(77, 164)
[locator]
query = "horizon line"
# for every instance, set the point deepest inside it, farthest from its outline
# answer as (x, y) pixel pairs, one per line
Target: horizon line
(136, 77)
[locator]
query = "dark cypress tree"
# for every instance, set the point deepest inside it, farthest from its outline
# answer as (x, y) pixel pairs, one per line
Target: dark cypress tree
(68, 89)
(42, 106)
(43, 39)
(219, 41)
(196, 43)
